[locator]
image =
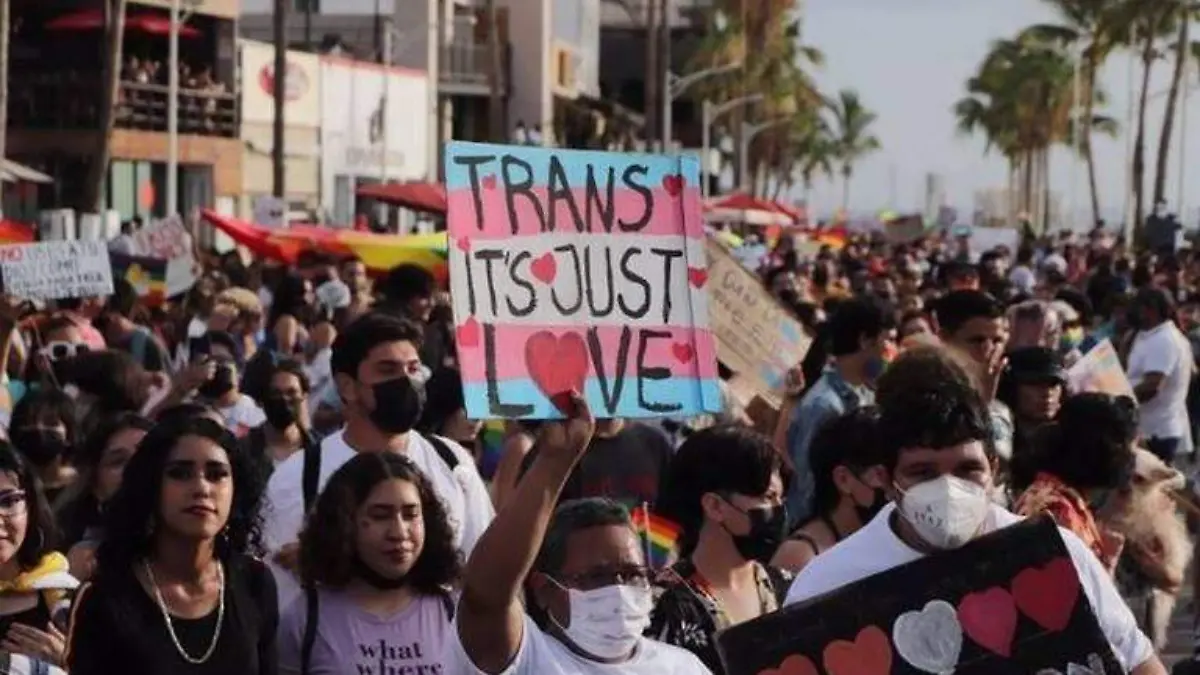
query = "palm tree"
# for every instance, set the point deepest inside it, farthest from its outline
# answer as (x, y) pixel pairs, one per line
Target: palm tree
(854, 139)
(1185, 51)
(114, 25)
(1091, 30)
(496, 131)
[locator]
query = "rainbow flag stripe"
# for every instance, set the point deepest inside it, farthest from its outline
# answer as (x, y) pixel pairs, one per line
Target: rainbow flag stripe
(659, 533)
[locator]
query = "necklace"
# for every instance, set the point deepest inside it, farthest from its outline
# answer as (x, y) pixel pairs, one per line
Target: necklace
(162, 605)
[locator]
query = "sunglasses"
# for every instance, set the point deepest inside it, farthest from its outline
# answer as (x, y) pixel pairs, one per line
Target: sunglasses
(58, 351)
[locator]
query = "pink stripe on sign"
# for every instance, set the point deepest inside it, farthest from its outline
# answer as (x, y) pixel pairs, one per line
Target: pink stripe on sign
(628, 206)
(681, 352)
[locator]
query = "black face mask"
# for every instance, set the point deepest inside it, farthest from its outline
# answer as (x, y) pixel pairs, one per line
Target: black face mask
(398, 405)
(280, 412)
(867, 513)
(768, 525)
(374, 579)
(40, 446)
(221, 383)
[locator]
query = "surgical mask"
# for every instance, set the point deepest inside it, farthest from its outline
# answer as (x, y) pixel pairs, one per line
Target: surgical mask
(768, 525)
(867, 513)
(398, 404)
(222, 382)
(947, 511)
(607, 622)
(280, 412)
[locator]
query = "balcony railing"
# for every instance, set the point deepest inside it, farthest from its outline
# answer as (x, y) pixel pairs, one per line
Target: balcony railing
(69, 101)
(464, 66)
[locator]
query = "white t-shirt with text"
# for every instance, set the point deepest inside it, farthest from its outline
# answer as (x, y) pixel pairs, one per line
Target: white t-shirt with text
(1164, 349)
(876, 548)
(541, 654)
(462, 492)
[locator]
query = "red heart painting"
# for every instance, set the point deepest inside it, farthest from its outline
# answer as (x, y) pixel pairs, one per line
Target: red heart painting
(1048, 594)
(682, 352)
(792, 665)
(556, 364)
(489, 182)
(697, 276)
(869, 654)
(673, 184)
(545, 268)
(990, 619)
(468, 334)
(463, 244)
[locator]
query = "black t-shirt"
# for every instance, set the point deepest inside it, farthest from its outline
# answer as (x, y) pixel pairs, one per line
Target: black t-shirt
(627, 467)
(118, 629)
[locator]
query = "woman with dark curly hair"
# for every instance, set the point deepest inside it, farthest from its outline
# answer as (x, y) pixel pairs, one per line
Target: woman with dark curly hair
(725, 489)
(379, 561)
(1087, 452)
(175, 589)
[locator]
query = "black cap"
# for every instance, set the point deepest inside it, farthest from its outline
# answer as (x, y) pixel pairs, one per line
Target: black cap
(1036, 364)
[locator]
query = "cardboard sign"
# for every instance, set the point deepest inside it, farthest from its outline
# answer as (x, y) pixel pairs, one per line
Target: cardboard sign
(53, 270)
(756, 336)
(579, 270)
(148, 276)
(169, 240)
(1100, 371)
(905, 229)
(270, 211)
(1010, 602)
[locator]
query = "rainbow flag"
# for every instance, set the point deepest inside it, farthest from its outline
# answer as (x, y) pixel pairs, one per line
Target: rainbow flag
(491, 439)
(658, 534)
(147, 275)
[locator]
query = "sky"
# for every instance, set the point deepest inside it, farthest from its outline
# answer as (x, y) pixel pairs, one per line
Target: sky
(910, 59)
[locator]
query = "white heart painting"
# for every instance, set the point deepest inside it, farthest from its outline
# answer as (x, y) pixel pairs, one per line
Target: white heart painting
(930, 639)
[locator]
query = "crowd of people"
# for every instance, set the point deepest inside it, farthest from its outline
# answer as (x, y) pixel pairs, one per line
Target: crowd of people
(276, 473)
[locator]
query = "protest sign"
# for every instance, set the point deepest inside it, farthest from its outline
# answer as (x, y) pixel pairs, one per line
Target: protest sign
(905, 229)
(579, 270)
(1009, 602)
(984, 239)
(756, 337)
(147, 275)
(169, 240)
(53, 270)
(1100, 371)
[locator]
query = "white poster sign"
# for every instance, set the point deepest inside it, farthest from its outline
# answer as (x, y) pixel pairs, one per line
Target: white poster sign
(56, 269)
(269, 211)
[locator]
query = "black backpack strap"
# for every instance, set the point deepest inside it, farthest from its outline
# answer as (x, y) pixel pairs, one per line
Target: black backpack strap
(309, 484)
(443, 451)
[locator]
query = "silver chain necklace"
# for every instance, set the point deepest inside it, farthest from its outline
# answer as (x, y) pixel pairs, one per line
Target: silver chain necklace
(162, 605)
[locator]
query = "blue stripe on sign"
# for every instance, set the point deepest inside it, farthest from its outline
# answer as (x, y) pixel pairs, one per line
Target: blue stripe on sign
(678, 390)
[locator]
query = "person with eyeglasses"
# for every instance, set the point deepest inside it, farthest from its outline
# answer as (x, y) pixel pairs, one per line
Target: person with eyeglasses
(287, 429)
(379, 554)
(179, 590)
(381, 382)
(580, 568)
(58, 340)
(222, 390)
(35, 583)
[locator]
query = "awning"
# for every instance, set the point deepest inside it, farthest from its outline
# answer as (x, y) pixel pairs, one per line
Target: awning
(422, 197)
(13, 172)
(740, 207)
(93, 19)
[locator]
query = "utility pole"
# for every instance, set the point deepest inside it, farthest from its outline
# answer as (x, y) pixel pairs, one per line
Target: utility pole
(279, 25)
(665, 69)
(4, 23)
(652, 69)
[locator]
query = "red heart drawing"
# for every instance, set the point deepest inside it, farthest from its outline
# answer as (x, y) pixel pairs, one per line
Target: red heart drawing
(673, 184)
(463, 244)
(869, 654)
(697, 276)
(545, 268)
(489, 182)
(468, 333)
(556, 364)
(989, 618)
(792, 665)
(1048, 594)
(682, 352)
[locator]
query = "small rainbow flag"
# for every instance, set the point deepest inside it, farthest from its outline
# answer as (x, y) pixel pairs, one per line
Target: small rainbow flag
(658, 534)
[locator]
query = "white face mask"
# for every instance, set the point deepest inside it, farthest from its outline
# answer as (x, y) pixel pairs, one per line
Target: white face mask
(946, 512)
(607, 622)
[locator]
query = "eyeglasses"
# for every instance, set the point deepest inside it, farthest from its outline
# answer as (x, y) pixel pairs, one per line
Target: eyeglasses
(57, 351)
(12, 504)
(631, 575)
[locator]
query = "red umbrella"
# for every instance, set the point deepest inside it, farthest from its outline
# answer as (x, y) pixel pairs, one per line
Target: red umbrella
(423, 197)
(93, 19)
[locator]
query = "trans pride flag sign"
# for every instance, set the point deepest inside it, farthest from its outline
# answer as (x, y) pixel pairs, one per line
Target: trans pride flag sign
(579, 270)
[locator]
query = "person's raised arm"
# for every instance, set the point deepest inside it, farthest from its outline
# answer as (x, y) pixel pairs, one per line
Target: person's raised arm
(491, 616)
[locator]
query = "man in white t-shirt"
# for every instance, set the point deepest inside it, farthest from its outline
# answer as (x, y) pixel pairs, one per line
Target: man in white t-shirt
(938, 451)
(374, 363)
(1160, 369)
(588, 584)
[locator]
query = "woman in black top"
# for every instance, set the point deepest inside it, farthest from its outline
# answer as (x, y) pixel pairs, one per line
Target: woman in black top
(847, 487)
(724, 489)
(34, 583)
(176, 591)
